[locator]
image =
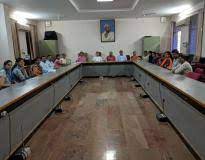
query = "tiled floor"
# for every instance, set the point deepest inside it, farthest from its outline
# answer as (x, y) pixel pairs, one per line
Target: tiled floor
(107, 120)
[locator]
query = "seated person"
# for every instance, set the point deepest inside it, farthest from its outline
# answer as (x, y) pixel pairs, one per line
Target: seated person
(145, 56)
(19, 72)
(2, 82)
(121, 57)
(58, 62)
(135, 57)
(167, 62)
(81, 58)
(36, 69)
(150, 57)
(154, 57)
(111, 57)
(64, 60)
(175, 51)
(6, 72)
(128, 57)
(175, 54)
(44, 66)
(195, 60)
(98, 57)
(183, 67)
(37, 61)
(49, 62)
(157, 59)
(87, 56)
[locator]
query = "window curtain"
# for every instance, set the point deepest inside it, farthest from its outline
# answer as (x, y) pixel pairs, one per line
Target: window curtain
(199, 34)
(175, 36)
(34, 39)
(193, 29)
(15, 38)
(29, 44)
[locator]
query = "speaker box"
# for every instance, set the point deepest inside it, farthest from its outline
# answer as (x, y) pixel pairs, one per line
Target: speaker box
(50, 35)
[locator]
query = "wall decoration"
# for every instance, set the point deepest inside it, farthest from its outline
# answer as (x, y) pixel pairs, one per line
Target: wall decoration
(107, 30)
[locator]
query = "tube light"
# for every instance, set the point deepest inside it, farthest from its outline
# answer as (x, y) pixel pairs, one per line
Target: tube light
(22, 17)
(178, 9)
(105, 0)
(25, 15)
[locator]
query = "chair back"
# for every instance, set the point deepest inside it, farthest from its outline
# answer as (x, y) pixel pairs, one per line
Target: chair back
(199, 70)
(193, 75)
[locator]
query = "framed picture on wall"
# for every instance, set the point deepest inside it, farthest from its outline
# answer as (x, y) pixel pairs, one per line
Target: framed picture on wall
(107, 30)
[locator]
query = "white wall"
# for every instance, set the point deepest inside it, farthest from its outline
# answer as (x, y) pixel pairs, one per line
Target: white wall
(6, 45)
(85, 35)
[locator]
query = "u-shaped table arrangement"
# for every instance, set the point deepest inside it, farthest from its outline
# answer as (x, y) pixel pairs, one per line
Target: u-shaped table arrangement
(24, 106)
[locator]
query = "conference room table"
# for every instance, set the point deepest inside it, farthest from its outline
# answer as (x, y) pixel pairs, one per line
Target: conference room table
(24, 106)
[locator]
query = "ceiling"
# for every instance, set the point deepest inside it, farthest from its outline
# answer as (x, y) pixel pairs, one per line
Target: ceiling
(90, 9)
(94, 6)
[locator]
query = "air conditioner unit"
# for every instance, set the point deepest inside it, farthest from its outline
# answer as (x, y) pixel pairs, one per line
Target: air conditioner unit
(163, 19)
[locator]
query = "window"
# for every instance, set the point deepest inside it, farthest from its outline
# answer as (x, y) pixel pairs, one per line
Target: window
(191, 34)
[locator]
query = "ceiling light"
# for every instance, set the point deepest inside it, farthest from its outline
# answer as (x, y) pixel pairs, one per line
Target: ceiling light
(178, 9)
(20, 20)
(22, 17)
(105, 0)
(185, 13)
(110, 155)
(25, 15)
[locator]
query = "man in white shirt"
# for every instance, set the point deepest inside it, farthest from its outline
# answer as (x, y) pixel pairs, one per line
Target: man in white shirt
(44, 66)
(175, 53)
(184, 66)
(121, 57)
(108, 35)
(50, 62)
(97, 58)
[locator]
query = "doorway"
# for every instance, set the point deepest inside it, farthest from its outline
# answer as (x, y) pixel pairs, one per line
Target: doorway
(25, 45)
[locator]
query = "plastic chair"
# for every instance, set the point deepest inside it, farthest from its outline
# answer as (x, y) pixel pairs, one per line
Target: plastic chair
(200, 65)
(193, 75)
(199, 70)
